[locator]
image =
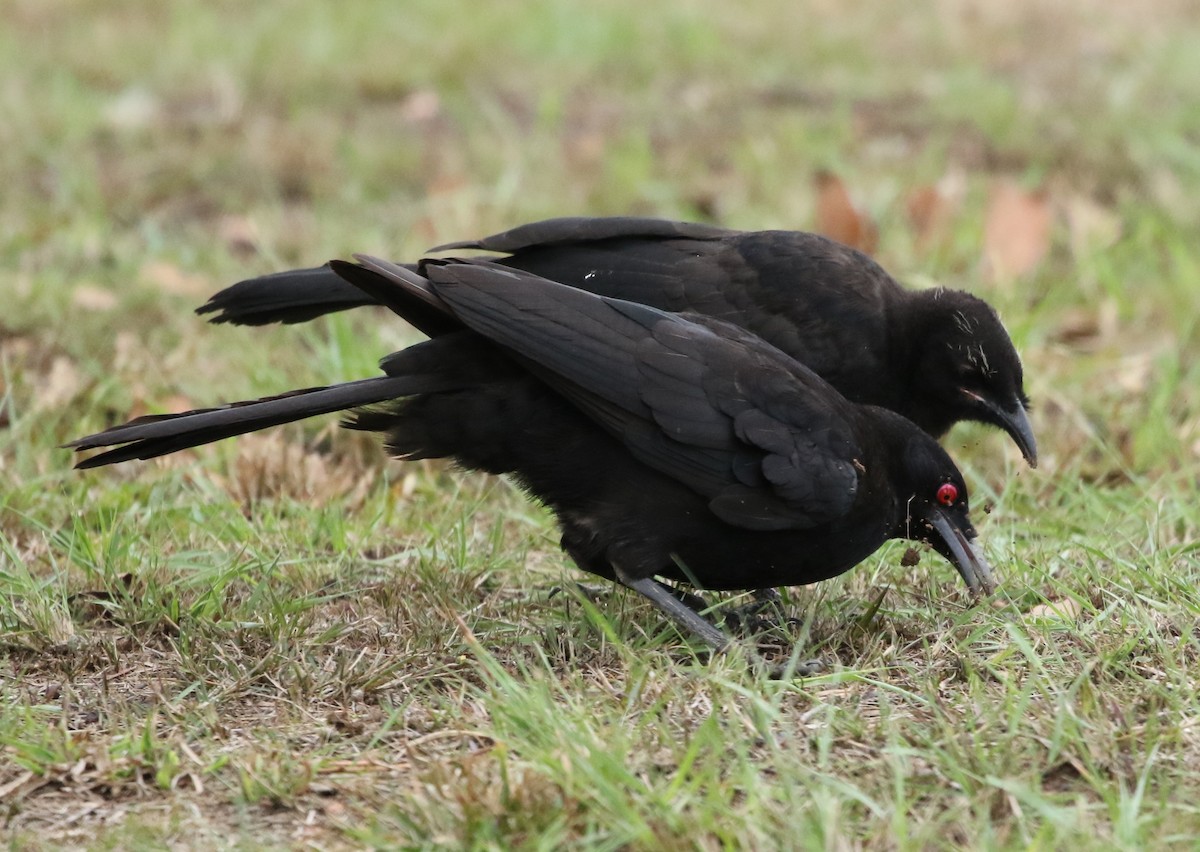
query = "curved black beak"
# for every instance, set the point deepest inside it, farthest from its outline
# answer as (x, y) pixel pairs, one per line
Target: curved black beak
(961, 550)
(1014, 421)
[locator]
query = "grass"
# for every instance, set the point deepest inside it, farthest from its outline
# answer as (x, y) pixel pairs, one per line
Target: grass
(283, 641)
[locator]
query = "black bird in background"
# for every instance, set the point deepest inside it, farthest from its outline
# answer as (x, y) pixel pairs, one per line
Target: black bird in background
(936, 356)
(667, 445)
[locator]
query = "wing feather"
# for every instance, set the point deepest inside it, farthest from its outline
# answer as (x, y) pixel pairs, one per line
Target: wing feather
(769, 443)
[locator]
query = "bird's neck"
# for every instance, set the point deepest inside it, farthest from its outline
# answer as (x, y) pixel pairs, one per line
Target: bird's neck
(915, 325)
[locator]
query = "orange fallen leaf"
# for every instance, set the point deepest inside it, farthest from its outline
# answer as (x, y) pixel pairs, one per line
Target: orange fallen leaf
(839, 218)
(931, 210)
(922, 206)
(1016, 231)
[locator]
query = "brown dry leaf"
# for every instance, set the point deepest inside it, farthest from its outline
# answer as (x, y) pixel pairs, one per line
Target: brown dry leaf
(58, 386)
(1067, 609)
(838, 217)
(1016, 230)
(1086, 328)
(931, 210)
(1077, 325)
(89, 297)
(171, 279)
(924, 207)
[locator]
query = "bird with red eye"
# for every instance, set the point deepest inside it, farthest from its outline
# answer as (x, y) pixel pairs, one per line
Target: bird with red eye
(677, 447)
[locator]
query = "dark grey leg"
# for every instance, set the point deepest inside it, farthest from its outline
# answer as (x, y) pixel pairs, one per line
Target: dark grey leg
(686, 617)
(760, 615)
(688, 599)
(595, 594)
(692, 622)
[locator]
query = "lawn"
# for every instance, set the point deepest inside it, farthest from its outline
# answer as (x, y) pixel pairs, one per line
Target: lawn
(285, 640)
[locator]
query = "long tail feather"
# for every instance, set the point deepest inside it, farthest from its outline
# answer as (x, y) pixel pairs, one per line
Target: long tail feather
(157, 435)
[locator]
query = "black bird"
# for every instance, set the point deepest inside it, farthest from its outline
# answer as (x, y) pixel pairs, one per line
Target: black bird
(667, 445)
(935, 356)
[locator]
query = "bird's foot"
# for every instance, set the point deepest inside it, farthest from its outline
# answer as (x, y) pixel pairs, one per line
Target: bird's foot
(595, 594)
(785, 670)
(764, 614)
(803, 668)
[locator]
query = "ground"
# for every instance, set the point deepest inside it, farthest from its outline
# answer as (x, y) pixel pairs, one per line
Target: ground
(286, 641)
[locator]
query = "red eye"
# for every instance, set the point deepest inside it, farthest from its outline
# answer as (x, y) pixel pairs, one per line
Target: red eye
(947, 494)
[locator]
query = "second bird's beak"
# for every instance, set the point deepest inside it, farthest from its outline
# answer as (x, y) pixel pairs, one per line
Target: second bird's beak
(1014, 421)
(966, 557)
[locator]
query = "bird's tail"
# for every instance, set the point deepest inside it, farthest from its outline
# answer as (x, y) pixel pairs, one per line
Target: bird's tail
(304, 294)
(157, 435)
(298, 295)
(452, 359)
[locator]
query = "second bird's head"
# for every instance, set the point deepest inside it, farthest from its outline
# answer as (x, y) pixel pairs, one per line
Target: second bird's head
(968, 369)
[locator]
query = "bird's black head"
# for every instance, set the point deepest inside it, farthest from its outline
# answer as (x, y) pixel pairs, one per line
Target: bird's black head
(967, 368)
(934, 505)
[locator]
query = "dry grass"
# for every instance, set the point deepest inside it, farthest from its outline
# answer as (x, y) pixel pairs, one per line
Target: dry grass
(282, 641)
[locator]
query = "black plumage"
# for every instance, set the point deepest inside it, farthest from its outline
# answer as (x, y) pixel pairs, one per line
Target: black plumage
(668, 446)
(936, 356)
